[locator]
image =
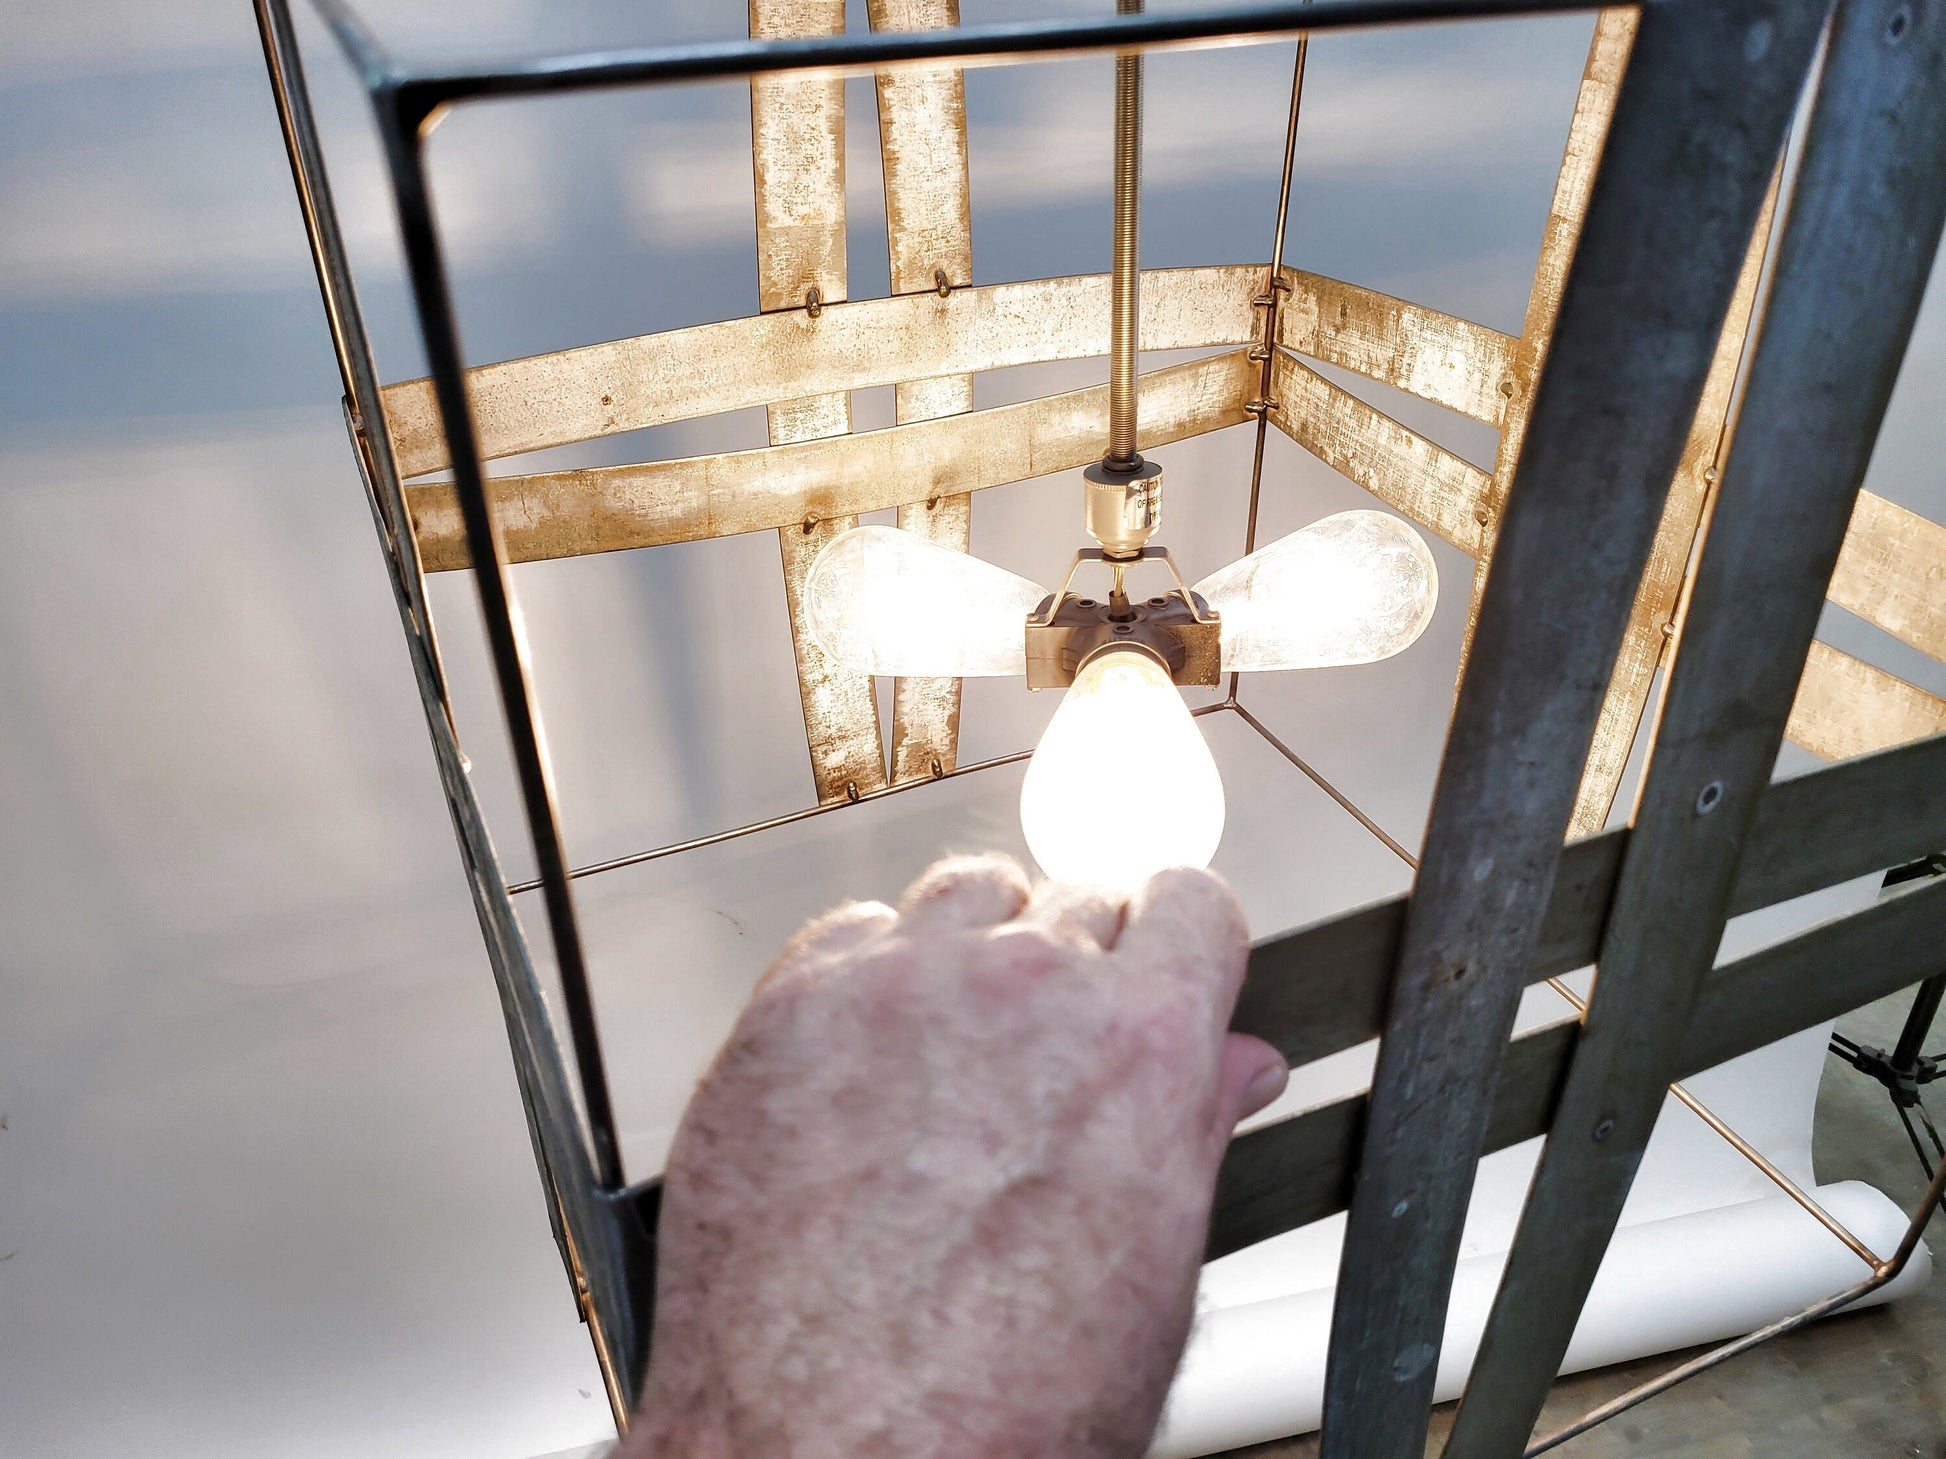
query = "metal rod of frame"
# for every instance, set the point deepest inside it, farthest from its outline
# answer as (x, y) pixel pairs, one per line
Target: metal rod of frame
(788, 818)
(1765, 1166)
(807, 813)
(423, 92)
(351, 346)
(1883, 1272)
(1344, 801)
(403, 137)
(1275, 287)
(603, 1265)
(1125, 293)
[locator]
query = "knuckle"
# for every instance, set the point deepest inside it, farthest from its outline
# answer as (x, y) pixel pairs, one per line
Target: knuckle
(957, 873)
(1027, 955)
(1197, 898)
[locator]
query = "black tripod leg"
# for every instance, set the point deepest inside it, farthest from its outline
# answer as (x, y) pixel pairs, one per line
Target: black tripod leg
(1918, 1023)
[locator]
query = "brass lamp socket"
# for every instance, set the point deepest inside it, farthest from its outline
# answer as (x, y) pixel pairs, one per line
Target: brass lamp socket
(1124, 507)
(1062, 637)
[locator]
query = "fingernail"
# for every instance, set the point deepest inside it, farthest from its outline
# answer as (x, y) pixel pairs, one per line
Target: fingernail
(1264, 1086)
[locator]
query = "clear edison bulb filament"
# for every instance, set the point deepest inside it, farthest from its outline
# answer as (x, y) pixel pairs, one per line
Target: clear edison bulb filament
(883, 601)
(1122, 784)
(1348, 589)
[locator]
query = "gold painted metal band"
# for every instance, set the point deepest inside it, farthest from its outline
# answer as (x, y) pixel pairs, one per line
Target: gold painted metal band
(608, 509)
(797, 138)
(929, 241)
(1892, 573)
(1438, 357)
(606, 389)
(1655, 621)
(1594, 107)
(1846, 707)
(1423, 481)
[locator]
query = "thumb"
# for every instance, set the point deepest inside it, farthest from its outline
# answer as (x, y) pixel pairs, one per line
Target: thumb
(1251, 1075)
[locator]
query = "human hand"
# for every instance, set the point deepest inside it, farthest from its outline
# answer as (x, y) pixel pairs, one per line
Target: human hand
(944, 1190)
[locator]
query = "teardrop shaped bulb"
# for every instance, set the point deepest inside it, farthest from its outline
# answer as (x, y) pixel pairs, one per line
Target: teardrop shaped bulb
(883, 601)
(1350, 588)
(1122, 784)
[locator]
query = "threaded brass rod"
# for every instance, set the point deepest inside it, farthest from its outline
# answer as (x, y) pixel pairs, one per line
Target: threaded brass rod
(1126, 307)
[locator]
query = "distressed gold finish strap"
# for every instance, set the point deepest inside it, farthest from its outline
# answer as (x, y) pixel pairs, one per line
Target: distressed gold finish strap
(1438, 357)
(1892, 573)
(1403, 469)
(1652, 623)
(654, 503)
(1846, 707)
(1594, 106)
(929, 235)
(627, 385)
(797, 135)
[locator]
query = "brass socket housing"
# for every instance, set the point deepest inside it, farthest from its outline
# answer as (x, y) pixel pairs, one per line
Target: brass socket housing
(1062, 637)
(1124, 507)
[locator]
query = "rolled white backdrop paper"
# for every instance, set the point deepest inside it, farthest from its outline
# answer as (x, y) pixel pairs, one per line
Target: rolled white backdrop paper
(1255, 1371)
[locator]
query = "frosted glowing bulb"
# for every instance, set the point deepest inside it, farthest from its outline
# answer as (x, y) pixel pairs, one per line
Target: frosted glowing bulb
(1122, 784)
(1348, 589)
(882, 601)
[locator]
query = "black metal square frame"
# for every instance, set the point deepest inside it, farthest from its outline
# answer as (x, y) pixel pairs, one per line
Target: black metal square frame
(1708, 92)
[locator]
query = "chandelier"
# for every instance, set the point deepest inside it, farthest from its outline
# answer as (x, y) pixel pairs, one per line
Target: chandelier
(1685, 300)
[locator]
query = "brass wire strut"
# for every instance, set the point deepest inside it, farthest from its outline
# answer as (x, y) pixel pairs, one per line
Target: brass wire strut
(1275, 287)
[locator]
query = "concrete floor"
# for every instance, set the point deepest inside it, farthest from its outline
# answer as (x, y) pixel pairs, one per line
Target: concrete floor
(1851, 1387)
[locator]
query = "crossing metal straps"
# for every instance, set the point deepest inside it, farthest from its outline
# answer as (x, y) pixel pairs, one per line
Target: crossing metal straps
(1863, 228)
(1697, 128)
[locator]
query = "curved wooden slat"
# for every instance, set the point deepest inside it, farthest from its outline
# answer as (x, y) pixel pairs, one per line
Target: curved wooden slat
(1438, 357)
(626, 385)
(607, 509)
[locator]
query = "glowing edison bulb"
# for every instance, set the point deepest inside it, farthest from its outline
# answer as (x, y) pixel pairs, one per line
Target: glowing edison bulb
(1348, 589)
(1121, 784)
(883, 601)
